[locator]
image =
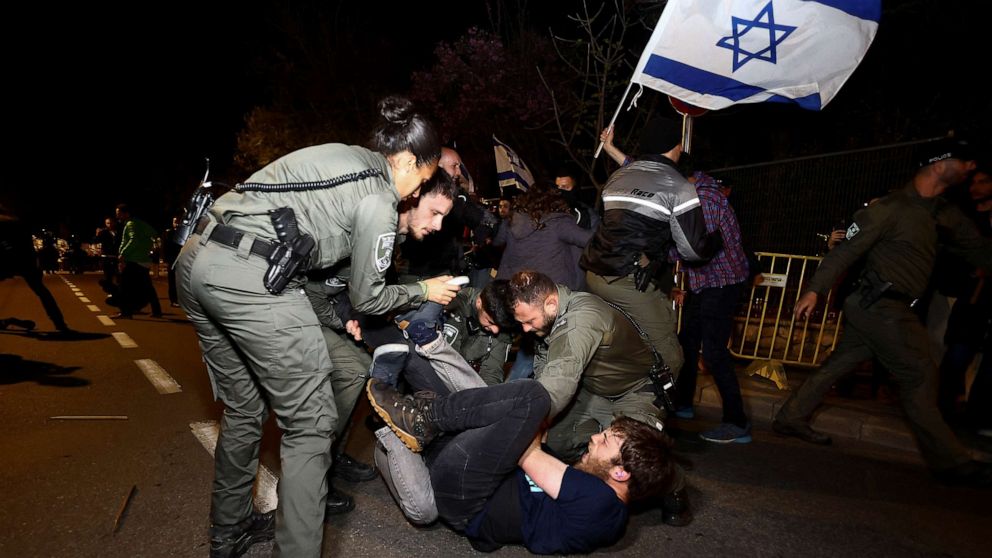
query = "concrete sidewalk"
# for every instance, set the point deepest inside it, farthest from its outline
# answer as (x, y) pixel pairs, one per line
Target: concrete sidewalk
(875, 420)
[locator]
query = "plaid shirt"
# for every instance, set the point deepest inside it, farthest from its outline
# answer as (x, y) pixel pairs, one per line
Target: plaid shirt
(729, 266)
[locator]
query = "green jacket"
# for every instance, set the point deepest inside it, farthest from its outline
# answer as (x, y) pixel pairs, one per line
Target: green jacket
(592, 344)
(486, 353)
(137, 239)
(350, 211)
(898, 237)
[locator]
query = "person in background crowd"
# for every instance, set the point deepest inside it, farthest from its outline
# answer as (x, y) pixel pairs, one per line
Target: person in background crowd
(969, 329)
(106, 237)
(580, 201)
(540, 235)
(714, 289)
(136, 288)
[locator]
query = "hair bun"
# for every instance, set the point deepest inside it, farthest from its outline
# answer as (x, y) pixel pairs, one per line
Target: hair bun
(396, 110)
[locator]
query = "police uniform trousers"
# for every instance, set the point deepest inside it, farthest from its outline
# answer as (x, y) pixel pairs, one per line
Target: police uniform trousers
(262, 349)
(348, 375)
(652, 310)
(890, 331)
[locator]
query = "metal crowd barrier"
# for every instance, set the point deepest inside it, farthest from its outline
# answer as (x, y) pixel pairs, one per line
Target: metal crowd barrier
(766, 328)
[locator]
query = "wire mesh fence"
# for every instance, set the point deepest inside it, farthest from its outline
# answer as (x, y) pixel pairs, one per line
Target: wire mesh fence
(788, 206)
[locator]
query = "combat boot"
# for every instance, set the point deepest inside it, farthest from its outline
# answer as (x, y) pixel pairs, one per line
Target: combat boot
(406, 415)
(337, 503)
(232, 541)
(352, 470)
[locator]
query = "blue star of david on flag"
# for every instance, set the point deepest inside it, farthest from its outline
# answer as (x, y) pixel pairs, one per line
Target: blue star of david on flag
(784, 51)
(741, 26)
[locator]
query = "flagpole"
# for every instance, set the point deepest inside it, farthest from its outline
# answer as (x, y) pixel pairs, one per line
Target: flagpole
(616, 114)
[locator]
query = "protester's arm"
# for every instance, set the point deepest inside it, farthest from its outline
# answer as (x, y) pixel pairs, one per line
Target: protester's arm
(688, 226)
(502, 233)
(571, 233)
(127, 237)
(546, 471)
(606, 136)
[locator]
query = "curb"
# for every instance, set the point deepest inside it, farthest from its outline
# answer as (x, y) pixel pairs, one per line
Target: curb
(880, 425)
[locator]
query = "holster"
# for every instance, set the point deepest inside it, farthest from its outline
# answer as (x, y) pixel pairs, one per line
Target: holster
(292, 253)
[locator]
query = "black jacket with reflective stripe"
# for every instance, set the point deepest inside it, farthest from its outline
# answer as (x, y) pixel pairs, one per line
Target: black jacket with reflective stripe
(648, 205)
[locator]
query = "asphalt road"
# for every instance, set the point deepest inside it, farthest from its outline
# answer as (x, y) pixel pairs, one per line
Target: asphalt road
(63, 483)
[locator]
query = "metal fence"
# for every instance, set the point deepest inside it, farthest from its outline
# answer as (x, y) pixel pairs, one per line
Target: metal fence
(766, 328)
(782, 206)
(786, 209)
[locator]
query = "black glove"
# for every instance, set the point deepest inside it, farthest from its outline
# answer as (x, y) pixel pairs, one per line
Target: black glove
(644, 274)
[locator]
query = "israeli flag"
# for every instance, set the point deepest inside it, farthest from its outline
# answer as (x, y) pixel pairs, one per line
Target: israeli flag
(715, 53)
(511, 169)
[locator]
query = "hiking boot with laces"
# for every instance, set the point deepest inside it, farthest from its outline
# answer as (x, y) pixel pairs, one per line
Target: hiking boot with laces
(234, 540)
(405, 414)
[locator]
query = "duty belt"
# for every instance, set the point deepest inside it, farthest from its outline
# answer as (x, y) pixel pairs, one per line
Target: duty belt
(901, 297)
(231, 237)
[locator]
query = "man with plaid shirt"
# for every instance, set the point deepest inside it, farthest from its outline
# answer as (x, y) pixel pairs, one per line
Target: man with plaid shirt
(713, 290)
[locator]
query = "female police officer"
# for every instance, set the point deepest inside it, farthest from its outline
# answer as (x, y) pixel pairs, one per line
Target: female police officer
(263, 345)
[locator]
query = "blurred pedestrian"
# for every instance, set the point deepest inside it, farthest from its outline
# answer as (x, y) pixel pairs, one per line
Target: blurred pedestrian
(18, 257)
(135, 263)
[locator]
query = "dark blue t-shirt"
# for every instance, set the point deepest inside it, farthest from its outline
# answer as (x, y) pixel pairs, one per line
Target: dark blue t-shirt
(587, 515)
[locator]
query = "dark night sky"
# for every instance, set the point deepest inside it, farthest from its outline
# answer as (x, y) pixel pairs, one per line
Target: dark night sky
(122, 104)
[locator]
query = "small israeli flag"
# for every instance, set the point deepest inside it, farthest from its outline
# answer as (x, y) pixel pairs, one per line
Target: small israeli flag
(716, 53)
(511, 169)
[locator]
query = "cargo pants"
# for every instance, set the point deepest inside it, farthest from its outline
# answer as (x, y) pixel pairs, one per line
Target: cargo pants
(262, 349)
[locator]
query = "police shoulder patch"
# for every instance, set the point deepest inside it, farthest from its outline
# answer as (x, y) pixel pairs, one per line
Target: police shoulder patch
(450, 333)
(852, 230)
(384, 251)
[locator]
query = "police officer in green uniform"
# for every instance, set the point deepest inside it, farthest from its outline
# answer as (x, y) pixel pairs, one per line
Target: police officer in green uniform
(593, 363)
(472, 333)
(898, 238)
(266, 349)
(350, 363)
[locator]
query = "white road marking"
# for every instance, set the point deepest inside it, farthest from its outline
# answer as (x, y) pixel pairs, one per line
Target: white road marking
(84, 299)
(105, 320)
(79, 294)
(266, 498)
(74, 289)
(157, 375)
(124, 340)
(93, 308)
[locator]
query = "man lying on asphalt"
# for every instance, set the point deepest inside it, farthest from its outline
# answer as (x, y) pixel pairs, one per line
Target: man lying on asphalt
(545, 505)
